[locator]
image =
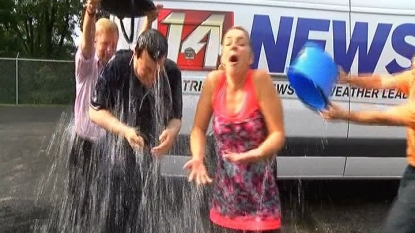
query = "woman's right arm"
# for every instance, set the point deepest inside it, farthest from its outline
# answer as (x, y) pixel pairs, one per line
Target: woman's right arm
(204, 111)
(202, 118)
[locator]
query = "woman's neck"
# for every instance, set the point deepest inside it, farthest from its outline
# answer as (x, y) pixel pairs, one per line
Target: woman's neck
(235, 80)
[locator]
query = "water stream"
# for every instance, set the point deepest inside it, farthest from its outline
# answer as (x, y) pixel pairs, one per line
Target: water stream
(123, 183)
(127, 192)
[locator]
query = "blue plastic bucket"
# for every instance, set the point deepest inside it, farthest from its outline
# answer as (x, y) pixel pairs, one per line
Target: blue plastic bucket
(312, 75)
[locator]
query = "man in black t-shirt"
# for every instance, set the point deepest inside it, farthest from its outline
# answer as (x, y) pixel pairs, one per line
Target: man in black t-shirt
(138, 98)
(128, 84)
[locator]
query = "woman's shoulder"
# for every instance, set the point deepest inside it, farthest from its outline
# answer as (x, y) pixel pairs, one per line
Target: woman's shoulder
(262, 82)
(214, 77)
(260, 76)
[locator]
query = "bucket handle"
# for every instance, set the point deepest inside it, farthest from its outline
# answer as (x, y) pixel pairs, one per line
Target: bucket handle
(130, 38)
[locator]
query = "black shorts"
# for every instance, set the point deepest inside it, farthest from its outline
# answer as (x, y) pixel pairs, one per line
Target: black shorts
(127, 186)
(82, 165)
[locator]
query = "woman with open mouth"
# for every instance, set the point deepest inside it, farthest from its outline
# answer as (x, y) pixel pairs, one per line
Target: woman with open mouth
(249, 131)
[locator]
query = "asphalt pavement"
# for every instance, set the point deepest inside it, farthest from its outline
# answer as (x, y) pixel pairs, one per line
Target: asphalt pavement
(29, 184)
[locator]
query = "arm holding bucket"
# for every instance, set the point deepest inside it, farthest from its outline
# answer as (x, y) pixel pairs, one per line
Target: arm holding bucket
(88, 29)
(150, 17)
(376, 81)
(204, 111)
(402, 115)
(84, 58)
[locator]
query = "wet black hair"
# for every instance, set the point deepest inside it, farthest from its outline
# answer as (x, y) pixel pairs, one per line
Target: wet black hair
(153, 42)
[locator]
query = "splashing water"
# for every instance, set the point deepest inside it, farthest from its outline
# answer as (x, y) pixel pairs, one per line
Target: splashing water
(53, 184)
(126, 192)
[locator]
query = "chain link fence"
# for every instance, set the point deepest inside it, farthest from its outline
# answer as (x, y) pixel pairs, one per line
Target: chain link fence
(35, 81)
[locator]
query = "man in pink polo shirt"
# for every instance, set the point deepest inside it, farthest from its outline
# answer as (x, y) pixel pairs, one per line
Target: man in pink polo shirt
(98, 43)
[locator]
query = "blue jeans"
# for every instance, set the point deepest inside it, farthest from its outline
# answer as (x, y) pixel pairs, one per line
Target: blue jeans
(401, 217)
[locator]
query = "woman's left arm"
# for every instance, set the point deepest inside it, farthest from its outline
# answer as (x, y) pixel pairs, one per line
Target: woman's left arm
(271, 107)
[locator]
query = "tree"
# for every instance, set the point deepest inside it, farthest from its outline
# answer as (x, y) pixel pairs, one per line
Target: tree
(39, 28)
(8, 43)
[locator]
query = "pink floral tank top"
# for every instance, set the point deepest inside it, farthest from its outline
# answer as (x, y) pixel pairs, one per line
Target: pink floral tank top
(245, 196)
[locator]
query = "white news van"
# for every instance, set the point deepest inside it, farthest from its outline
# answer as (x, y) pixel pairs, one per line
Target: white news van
(362, 36)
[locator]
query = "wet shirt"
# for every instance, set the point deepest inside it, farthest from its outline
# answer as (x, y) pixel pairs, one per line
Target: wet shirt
(119, 91)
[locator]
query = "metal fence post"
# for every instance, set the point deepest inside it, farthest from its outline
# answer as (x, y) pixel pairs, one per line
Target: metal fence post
(17, 79)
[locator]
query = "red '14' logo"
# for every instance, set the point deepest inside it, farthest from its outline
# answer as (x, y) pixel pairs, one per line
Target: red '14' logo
(194, 36)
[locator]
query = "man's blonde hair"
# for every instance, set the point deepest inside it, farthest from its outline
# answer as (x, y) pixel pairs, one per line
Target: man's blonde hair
(104, 25)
